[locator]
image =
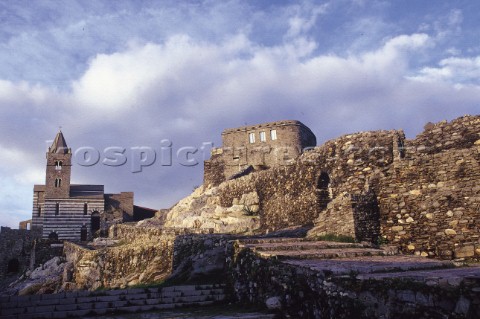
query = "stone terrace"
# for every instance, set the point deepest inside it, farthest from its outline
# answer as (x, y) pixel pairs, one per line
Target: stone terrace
(368, 282)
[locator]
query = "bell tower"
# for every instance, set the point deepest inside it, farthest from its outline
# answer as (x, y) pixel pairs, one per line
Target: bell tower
(59, 164)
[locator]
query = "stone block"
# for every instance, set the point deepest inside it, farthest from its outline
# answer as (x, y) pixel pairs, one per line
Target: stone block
(141, 296)
(136, 302)
(131, 309)
(66, 307)
(13, 311)
(164, 306)
(41, 309)
(153, 301)
(107, 298)
(464, 252)
(85, 299)
(85, 306)
(100, 305)
(115, 292)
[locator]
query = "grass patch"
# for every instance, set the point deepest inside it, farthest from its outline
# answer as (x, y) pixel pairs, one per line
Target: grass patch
(336, 238)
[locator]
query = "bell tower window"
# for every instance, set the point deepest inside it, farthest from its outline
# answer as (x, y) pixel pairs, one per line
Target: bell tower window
(58, 182)
(57, 209)
(58, 165)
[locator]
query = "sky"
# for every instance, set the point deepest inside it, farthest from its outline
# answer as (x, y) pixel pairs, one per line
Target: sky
(161, 77)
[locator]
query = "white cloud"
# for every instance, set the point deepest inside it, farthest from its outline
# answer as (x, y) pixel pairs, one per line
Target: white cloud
(455, 70)
(187, 81)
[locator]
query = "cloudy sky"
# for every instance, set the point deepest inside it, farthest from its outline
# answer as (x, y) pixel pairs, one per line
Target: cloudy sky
(133, 74)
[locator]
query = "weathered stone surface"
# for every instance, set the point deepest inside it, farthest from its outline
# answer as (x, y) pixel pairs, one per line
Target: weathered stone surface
(465, 251)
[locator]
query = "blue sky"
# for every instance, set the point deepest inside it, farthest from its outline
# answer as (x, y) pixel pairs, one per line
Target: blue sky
(133, 73)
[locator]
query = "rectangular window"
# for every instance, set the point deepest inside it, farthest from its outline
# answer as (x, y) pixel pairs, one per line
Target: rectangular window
(39, 211)
(251, 138)
(273, 135)
(57, 209)
(263, 137)
(85, 209)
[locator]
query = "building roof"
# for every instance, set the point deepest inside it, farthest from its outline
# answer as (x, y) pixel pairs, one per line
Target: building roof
(86, 191)
(59, 145)
(38, 188)
(265, 125)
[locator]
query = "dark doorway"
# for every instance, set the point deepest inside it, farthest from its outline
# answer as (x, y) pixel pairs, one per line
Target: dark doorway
(13, 266)
(83, 233)
(95, 221)
(53, 236)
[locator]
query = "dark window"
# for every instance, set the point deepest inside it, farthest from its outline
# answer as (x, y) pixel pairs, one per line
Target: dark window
(95, 221)
(323, 193)
(53, 236)
(85, 209)
(83, 233)
(57, 209)
(39, 211)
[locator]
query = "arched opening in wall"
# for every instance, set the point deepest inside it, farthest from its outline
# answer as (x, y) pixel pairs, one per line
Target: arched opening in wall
(53, 236)
(95, 221)
(13, 266)
(83, 233)
(323, 193)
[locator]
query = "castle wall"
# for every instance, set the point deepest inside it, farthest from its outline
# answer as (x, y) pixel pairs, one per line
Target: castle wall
(260, 146)
(15, 248)
(430, 199)
(318, 184)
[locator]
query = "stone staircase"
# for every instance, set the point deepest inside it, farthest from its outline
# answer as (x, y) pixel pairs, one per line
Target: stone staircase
(86, 303)
(299, 248)
(339, 258)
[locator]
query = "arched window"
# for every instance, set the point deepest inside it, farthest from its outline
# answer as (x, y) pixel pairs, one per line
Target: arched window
(53, 236)
(58, 165)
(57, 209)
(85, 209)
(58, 182)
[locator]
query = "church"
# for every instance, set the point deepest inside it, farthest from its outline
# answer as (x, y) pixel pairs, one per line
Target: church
(65, 211)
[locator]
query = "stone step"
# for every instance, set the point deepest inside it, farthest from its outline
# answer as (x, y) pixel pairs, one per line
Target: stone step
(371, 264)
(304, 245)
(322, 253)
(105, 310)
(101, 302)
(261, 240)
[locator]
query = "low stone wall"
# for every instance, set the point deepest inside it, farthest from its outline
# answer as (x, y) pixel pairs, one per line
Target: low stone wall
(87, 303)
(146, 255)
(301, 292)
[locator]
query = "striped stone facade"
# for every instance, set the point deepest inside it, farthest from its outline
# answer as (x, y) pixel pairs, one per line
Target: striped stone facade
(66, 211)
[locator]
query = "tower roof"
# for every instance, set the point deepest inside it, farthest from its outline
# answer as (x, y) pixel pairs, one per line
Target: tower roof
(59, 146)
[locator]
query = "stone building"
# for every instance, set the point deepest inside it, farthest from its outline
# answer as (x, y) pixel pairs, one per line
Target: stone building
(257, 147)
(66, 211)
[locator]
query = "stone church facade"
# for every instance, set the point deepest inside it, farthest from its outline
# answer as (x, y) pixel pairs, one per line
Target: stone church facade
(66, 211)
